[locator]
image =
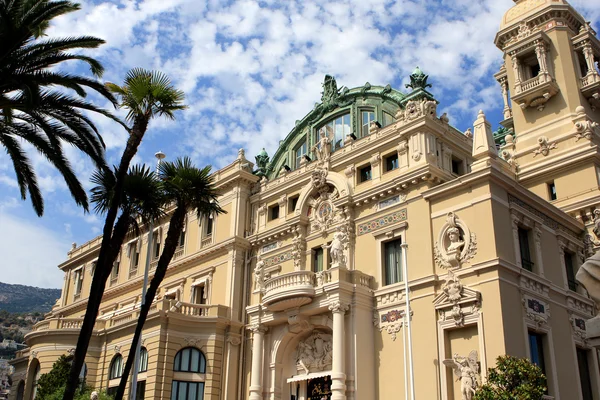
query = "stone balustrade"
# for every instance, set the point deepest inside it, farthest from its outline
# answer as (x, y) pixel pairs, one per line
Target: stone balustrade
(530, 83)
(207, 241)
(289, 290)
(169, 306)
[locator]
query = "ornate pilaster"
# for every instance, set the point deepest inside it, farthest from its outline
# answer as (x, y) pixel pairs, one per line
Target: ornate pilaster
(542, 57)
(258, 338)
(338, 375)
(516, 71)
(506, 111)
(514, 219)
(538, 248)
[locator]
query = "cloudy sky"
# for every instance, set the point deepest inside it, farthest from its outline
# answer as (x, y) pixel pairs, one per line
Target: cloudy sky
(249, 70)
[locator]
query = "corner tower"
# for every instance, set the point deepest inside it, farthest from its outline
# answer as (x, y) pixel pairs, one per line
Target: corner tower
(551, 90)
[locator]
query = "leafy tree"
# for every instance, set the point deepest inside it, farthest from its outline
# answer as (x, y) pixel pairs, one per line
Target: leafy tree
(79, 395)
(513, 379)
(145, 95)
(189, 188)
(41, 105)
(54, 380)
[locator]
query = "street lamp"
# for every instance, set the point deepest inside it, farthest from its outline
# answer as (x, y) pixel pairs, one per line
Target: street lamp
(136, 365)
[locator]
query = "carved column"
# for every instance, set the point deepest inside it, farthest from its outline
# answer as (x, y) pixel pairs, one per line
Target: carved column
(258, 338)
(538, 248)
(507, 111)
(517, 72)
(542, 57)
(338, 376)
(561, 254)
(515, 229)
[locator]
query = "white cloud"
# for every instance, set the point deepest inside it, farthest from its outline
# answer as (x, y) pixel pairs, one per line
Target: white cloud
(30, 253)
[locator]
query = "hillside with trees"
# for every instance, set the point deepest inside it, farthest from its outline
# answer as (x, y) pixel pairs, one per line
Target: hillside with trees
(26, 299)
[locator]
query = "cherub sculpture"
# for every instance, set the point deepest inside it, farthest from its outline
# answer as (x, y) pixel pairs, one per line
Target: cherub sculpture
(467, 371)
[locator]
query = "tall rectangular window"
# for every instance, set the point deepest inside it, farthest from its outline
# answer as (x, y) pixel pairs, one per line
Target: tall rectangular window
(156, 245)
(208, 230)
(584, 374)
(199, 295)
(392, 262)
(273, 212)
(134, 255)
(536, 350)
(391, 162)
(293, 202)
(78, 281)
(317, 264)
(181, 241)
(570, 272)
(300, 152)
(552, 191)
(114, 273)
(365, 174)
(367, 118)
(525, 249)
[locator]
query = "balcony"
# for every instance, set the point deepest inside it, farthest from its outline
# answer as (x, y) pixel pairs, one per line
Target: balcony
(290, 290)
(590, 87)
(170, 307)
(178, 252)
(207, 241)
(535, 92)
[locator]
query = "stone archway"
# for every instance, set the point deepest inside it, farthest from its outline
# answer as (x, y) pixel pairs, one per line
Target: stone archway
(319, 179)
(33, 372)
(287, 360)
(20, 391)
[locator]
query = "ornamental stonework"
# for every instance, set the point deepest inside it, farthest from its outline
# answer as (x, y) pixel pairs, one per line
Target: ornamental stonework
(389, 219)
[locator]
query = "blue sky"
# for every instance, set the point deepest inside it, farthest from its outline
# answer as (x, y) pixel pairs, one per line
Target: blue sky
(249, 70)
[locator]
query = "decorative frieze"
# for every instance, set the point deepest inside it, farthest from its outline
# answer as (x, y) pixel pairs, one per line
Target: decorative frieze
(381, 222)
(278, 259)
(546, 220)
(314, 353)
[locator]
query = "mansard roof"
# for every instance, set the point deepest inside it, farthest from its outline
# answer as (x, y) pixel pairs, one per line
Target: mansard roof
(335, 100)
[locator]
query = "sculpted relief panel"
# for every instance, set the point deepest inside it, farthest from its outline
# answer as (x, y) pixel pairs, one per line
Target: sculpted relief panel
(314, 353)
(467, 371)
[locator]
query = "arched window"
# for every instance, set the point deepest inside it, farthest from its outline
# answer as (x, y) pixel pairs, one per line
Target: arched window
(189, 368)
(143, 360)
(116, 367)
(190, 359)
(21, 390)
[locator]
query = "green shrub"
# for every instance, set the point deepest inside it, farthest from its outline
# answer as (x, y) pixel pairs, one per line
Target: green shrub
(513, 379)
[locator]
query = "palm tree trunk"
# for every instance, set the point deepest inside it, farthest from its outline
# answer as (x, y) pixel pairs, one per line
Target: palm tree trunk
(104, 262)
(171, 242)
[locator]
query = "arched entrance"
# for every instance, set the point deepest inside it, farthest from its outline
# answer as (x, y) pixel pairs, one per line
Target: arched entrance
(21, 390)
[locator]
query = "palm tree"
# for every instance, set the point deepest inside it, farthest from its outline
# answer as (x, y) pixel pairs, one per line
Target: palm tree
(41, 105)
(189, 188)
(145, 95)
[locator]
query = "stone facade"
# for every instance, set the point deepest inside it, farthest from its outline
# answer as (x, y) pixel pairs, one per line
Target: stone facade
(380, 251)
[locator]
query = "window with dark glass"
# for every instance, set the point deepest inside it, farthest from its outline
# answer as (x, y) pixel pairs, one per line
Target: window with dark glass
(570, 272)
(584, 374)
(387, 119)
(143, 360)
(300, 153)
(317, 259)
(391, 162)
(336, 130)
(116, 367)
(392, 262)
(189, 360)
(365, 174)
(552, 191)
(134, 255)
(140, 393)
(199, 294)
(367, 118)
(273, 212)
(181, 241)
(182, 390)
(457, 166)
(536, 350)
(114, 273)
(525, 249)
(208, 225)
(293, 202)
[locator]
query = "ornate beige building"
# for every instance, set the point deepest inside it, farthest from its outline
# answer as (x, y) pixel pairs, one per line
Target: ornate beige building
(300, 290)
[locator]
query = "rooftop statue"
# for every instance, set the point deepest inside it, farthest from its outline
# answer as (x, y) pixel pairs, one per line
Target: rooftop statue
(418, 80)
(330, 90)
(262, 163)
